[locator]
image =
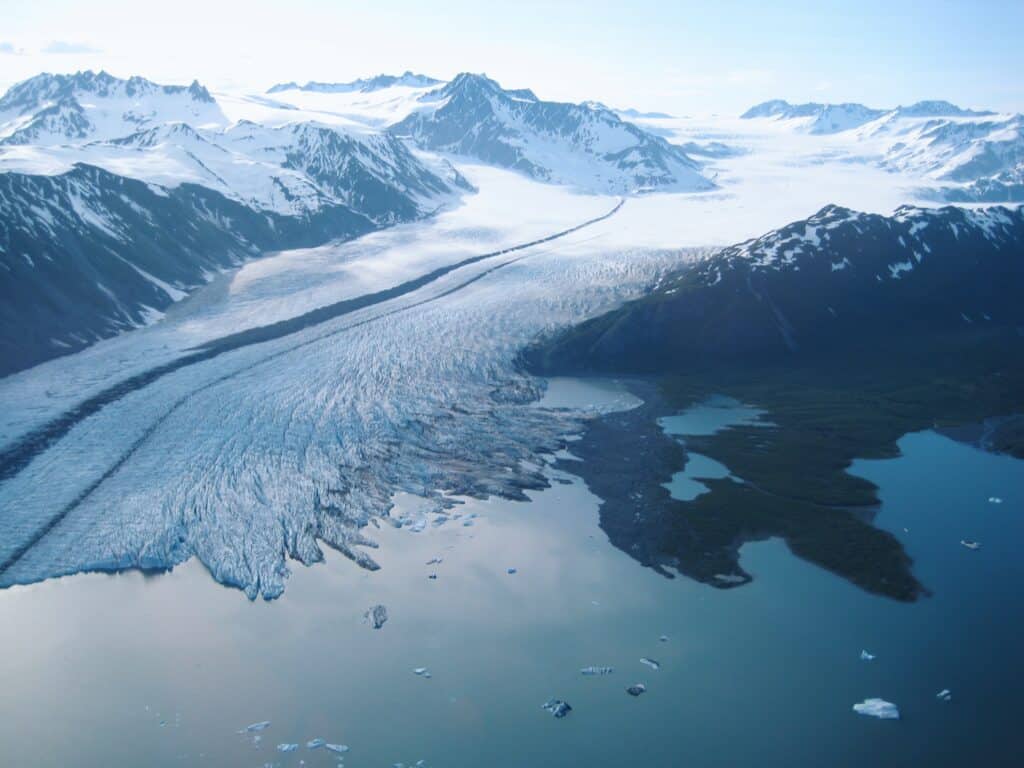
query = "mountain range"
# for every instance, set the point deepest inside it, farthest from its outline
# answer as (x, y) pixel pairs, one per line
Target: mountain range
(121, 196)
(970, 155)
(585, 145)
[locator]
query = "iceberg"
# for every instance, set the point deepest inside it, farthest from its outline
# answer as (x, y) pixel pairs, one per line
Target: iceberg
(376, 616)
(637, 689)
(945, 695)
(596, 671)
(651, 663)
(557, 707)
(338, 749)
(880, 708)
(287, 747)
(315, 743)
(260, 726)
(865, 656)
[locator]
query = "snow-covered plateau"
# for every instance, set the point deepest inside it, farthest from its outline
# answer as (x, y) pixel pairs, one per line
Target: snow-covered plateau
(287, 403)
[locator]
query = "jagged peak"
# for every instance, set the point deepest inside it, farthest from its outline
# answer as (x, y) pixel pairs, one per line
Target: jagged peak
(408, 79)
(32, 93)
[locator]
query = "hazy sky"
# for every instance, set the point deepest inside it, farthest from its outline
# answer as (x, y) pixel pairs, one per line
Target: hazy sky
(681, 57)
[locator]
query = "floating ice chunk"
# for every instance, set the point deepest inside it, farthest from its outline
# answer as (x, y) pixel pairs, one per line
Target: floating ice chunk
(260, 726)
(338, 749)
(865, 656)
(422, 672)
(994, 500)
(730, 578)
(880, 708)
(663, 639)
(315, 743)
(650, 663)
(970, 544)
(557, 707)
(511, 571)
(287, 747)
(435, 561)
(596, 671)
(376, 616)
(945, 695)
(637, 689)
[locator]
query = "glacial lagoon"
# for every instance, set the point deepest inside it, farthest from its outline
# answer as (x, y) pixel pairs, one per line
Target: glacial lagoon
(165, 669)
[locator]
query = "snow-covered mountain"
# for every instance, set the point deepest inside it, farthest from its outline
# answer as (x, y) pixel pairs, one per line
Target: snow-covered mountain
(837, 279)
(70, 146)
(813, 117)
(584, 145)
(59, 109)
(975, 159)
(963, 155)
(363, 85)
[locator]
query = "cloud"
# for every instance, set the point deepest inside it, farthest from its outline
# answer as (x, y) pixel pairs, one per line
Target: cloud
(62, 46)
(10, 50)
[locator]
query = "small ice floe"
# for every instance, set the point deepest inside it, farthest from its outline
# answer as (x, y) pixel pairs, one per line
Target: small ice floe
(596, 671)
(375, 616)
(865, 656)
(260, 726)
(994, 500)
(511, 571)
(338, 749)
(650, 663)
(557, 707)
(287, 747)
(944, 695)
(663, 639)
(880, 708)
(730, 578)
(315, 743)
(435, 561)
(422, 672)
(970, 544)
(636, 690)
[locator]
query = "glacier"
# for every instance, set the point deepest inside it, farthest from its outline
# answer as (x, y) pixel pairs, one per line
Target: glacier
(263, 453)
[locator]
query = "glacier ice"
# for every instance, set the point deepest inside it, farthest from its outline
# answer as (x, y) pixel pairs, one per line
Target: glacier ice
(265, 453)
(376, 616)
(557, 707)
(884, 710)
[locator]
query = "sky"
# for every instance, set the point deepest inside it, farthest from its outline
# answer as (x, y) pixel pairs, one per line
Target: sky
(681, 57)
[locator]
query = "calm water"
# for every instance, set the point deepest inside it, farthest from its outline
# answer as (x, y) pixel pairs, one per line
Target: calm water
(762, 675)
